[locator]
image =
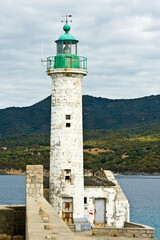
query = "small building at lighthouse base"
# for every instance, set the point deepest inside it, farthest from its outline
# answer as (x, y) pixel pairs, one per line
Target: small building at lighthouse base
(104, 201)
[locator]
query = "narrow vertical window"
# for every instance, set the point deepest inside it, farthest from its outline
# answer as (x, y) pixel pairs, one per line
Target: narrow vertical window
(68, 117)
(67, 173)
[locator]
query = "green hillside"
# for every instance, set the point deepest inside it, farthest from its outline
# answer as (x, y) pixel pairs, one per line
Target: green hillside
(26, 120)
(102, 113)
(132, 150)
(128, 143)
(98, 113)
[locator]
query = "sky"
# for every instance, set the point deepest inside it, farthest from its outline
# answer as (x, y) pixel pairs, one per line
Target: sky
(120, 38)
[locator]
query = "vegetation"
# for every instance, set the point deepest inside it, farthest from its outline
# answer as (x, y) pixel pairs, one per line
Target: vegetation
(130, 139)
(135, 150)
(98, 113)
(18, 151)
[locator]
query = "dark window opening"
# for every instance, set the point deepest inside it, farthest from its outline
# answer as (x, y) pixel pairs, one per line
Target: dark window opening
(68, 117)
(85, 200)
(67, 171)
(68, 125)
(68, 179)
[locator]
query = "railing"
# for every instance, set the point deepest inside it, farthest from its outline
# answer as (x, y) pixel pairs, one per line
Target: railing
(50, 62)
(67, 61)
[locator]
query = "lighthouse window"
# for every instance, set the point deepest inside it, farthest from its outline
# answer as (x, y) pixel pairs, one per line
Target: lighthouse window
(67, 171)
(67, 175)
(85, 200)
(68, 125)
(68, 117)
(74, 48)
(59, 48)
(67, 179)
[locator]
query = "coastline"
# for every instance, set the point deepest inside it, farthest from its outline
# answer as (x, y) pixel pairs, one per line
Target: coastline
(138, 174)
(13, 171)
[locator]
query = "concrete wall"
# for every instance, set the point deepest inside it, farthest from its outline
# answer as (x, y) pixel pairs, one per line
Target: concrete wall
(42, 222)
(66, 154)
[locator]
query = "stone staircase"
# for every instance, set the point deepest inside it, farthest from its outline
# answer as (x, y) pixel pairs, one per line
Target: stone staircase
(71, 227)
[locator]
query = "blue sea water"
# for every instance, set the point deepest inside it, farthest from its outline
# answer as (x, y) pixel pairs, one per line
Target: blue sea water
(12, 189)
(143, 193)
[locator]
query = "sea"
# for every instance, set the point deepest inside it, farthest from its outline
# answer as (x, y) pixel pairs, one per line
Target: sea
(143, 193)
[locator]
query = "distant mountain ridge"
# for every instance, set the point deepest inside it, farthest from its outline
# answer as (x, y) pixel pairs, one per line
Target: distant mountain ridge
(98, 113)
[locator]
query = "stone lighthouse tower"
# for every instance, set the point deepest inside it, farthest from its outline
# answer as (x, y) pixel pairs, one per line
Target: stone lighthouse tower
(66, 156)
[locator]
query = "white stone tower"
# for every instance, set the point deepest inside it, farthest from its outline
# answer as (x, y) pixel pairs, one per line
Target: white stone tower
(66, 155)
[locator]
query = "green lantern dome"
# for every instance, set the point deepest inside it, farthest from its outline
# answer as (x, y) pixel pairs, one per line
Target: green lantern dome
(67, 36)
(67, 52)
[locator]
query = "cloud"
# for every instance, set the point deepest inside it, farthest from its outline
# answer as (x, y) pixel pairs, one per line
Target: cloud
(120, 38)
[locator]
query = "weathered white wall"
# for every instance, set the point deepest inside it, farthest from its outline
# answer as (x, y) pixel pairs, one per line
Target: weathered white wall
(122, 204)
(100, 192)
(66, 143)
(117, 207)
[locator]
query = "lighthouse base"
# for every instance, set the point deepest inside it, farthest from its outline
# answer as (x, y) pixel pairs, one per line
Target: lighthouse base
(81, 224)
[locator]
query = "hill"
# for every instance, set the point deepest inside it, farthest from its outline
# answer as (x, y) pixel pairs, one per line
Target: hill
(132, 150)
(103, 113)
(98, 113)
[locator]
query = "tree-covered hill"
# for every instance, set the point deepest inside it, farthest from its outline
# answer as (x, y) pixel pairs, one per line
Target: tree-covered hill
(26, 120)
(132, 150)
(103, 113)
(98, 113)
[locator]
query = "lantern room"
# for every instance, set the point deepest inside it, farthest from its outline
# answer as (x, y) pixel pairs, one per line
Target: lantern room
(67, 52)
(66, 44)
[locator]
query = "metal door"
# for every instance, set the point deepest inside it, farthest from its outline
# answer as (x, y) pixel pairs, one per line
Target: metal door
(100, 210)
(67, 210)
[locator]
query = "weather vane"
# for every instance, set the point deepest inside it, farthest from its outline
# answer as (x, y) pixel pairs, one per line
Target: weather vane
(66, 16)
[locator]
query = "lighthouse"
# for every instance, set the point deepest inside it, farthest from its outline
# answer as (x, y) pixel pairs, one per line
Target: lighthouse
(67, 70)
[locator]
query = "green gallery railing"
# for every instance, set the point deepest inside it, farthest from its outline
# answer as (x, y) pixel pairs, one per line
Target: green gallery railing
(67, 61)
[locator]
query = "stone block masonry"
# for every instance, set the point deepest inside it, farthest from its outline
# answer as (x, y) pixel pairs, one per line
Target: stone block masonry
(66, 158)
(12, 222)
(34, 180)
(131, 230)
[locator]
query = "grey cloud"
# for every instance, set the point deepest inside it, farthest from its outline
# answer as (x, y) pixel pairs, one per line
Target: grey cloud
(120, 38)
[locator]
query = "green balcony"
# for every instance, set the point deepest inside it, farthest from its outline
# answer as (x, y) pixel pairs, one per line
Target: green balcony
(67, 61)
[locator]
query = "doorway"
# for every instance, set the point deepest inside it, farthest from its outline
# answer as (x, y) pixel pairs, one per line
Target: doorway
(67, 210)
(100, 211)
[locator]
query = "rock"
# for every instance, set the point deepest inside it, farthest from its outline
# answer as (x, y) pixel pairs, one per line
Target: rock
(9, 237)
(48, 227)
(18, 237)
(3, 236)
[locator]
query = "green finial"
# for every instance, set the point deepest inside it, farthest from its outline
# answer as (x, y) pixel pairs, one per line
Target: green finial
(67, 36)
(66, 28)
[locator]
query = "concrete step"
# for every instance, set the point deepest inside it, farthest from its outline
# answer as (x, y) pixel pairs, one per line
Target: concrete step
(72, 227)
